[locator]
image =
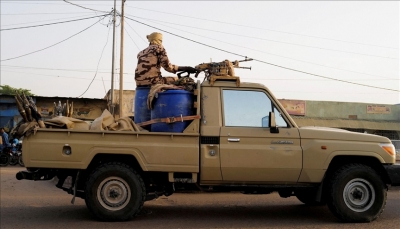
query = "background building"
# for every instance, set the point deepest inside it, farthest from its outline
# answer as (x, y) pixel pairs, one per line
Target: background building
(83, 108)
(379, 119)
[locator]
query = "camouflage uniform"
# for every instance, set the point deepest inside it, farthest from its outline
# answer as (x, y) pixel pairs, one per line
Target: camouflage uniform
(150, 60)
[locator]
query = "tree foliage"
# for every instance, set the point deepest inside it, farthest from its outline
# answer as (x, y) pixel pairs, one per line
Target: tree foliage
(8, 90)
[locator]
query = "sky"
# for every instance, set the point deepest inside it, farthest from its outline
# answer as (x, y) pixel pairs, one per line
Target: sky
(305, 50)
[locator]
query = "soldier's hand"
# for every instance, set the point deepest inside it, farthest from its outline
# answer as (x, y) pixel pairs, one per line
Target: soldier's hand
(187, 69)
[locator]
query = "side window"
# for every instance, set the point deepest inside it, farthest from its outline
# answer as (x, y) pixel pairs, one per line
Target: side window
(246, 108)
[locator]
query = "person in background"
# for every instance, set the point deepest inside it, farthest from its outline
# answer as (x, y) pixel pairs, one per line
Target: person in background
(150, 61)
(14, 143)
(4, 139)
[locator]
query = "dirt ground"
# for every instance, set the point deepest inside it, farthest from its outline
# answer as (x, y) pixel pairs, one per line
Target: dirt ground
(39, 204)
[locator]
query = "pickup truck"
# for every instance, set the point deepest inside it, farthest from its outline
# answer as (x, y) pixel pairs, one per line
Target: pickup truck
(244, 141)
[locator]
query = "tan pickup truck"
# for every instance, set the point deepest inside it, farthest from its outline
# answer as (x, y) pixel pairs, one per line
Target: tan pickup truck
(244, 141)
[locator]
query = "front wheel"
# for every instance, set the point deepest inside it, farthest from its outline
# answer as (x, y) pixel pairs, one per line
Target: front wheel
(114, 192)
(357, 194)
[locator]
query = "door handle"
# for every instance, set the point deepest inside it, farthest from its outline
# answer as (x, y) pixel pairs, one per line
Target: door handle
(233, 139)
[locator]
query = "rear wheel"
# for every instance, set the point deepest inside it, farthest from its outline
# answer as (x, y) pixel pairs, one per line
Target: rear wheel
(114, 192)
(357, 194)
(4, 159)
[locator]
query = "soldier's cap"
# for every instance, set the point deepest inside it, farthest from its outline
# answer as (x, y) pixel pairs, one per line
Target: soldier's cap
(155, 38)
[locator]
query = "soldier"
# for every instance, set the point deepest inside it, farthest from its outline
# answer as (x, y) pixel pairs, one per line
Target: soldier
(4, 139)
(151, 59)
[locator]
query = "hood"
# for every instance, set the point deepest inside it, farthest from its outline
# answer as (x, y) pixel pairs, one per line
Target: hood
(326, 133)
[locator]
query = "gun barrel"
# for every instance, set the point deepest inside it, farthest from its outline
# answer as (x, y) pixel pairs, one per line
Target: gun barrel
(244, 67)
(247, 59)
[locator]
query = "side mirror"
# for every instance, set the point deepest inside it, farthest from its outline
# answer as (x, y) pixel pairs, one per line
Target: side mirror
(272, 123)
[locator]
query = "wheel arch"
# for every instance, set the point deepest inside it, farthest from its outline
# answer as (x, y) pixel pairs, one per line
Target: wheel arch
(123, 158)
(102, 158)
(341, 160)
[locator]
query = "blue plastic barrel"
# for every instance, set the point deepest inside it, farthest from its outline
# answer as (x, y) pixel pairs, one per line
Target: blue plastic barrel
(142, 113)
(172, 103)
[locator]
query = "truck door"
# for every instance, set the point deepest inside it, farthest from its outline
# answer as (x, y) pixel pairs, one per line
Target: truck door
(249, 152)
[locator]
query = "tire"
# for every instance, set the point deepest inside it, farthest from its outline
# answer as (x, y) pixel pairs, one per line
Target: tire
(308, 198)
(357, 194)
(20, 161)
(13, 160)
(114, 192)
(4, 159)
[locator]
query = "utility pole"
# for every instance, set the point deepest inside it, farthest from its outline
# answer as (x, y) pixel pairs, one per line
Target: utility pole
(121, 61)
(112, 65)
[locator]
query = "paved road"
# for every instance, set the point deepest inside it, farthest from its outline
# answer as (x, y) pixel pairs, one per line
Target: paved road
(39, 204)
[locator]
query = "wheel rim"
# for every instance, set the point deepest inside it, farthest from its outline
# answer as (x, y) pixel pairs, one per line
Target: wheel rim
(114, 193)
(359, 195)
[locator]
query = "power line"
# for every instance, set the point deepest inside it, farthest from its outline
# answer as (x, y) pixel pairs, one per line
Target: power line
(84, 7)
(291, 69)
(62, 69)
(257, 50)
(59, 69)
(53, 44)
(34, 3)
(135, 32)
(253, 27)
(25, 27)
(132, 39)
(104, 72)
(132, 82)
(59, 76)
(87, 14)
(109, 28)
(314, 79)
(344, 81)
(258, 38)
(186, 38)
(44, 13)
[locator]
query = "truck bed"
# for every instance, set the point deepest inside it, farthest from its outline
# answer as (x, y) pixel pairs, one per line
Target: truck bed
(169, 152)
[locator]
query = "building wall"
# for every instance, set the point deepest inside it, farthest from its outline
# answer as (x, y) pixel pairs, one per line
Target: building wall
(83, 108)
(128, 100)
(343, 110)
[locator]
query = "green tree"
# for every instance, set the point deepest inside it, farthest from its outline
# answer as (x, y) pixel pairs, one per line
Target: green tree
(8, 90)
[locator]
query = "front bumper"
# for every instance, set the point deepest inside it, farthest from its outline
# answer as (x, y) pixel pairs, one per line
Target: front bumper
(393, 171)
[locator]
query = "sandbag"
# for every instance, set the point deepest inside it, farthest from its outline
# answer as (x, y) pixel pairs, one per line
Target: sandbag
(103, 121)
(67, 122)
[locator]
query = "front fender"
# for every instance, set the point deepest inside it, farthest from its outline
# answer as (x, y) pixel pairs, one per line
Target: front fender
(351, 153)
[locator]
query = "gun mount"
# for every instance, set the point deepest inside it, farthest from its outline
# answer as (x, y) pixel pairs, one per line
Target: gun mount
(221, 70)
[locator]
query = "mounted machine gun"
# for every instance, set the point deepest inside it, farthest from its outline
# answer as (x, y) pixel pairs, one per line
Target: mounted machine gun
(221, 70)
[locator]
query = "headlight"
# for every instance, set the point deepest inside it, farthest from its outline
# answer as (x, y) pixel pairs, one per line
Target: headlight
(389, 148)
